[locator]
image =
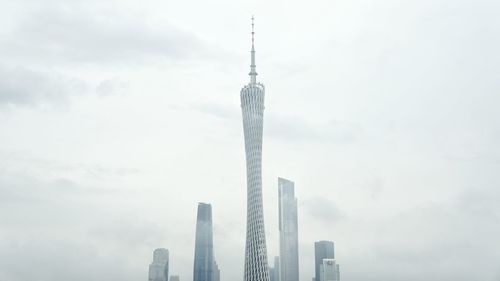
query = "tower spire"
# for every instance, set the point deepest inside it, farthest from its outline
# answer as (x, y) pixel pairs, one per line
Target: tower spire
(253, 72)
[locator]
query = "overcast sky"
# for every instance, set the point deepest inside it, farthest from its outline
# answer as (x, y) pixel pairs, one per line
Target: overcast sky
(117, 117)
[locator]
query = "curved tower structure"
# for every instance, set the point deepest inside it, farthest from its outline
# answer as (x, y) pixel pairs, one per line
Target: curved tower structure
(252, 106)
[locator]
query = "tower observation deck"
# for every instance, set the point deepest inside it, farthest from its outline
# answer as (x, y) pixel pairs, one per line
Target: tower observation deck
(252, 106)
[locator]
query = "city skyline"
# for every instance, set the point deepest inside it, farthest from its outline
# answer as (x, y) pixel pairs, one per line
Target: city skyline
(286, 266)
(117, 118)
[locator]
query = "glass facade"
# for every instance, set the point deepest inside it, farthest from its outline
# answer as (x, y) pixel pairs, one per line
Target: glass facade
(322, 250)
(288, 227)
(203, 251)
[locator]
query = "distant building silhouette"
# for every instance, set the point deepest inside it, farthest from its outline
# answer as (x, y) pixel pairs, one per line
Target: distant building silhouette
(322, 250)
(288, 227)
(158, 270)
(216, 272)
(274, 271)
(329, 270)
(174, 278)
(203, 251)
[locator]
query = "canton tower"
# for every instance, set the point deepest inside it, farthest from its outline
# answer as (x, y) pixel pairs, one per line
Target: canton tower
(252, 106)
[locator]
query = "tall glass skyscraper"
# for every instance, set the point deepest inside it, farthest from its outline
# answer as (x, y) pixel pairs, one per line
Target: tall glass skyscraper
(204, 249)
(322, 250)
(289, 241)
(158, 269)
(252, 106)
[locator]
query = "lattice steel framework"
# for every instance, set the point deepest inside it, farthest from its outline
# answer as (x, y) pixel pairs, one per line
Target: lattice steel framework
(252, 105)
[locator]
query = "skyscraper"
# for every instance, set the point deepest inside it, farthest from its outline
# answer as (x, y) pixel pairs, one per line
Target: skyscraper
(158, 269)
(252, 106)
(203, 251)
(289, 241)
(322, 250)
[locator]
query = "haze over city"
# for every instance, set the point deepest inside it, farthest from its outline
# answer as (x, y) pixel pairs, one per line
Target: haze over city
(117, 118)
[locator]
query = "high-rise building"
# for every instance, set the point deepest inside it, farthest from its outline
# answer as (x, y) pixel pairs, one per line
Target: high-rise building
(158, 269)
(322, 250)
(274, 271)
(288, 227)
(216, 272)
(329, 270)
(203, 251)
(277, 267)
(252, 106)
(174, 278)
